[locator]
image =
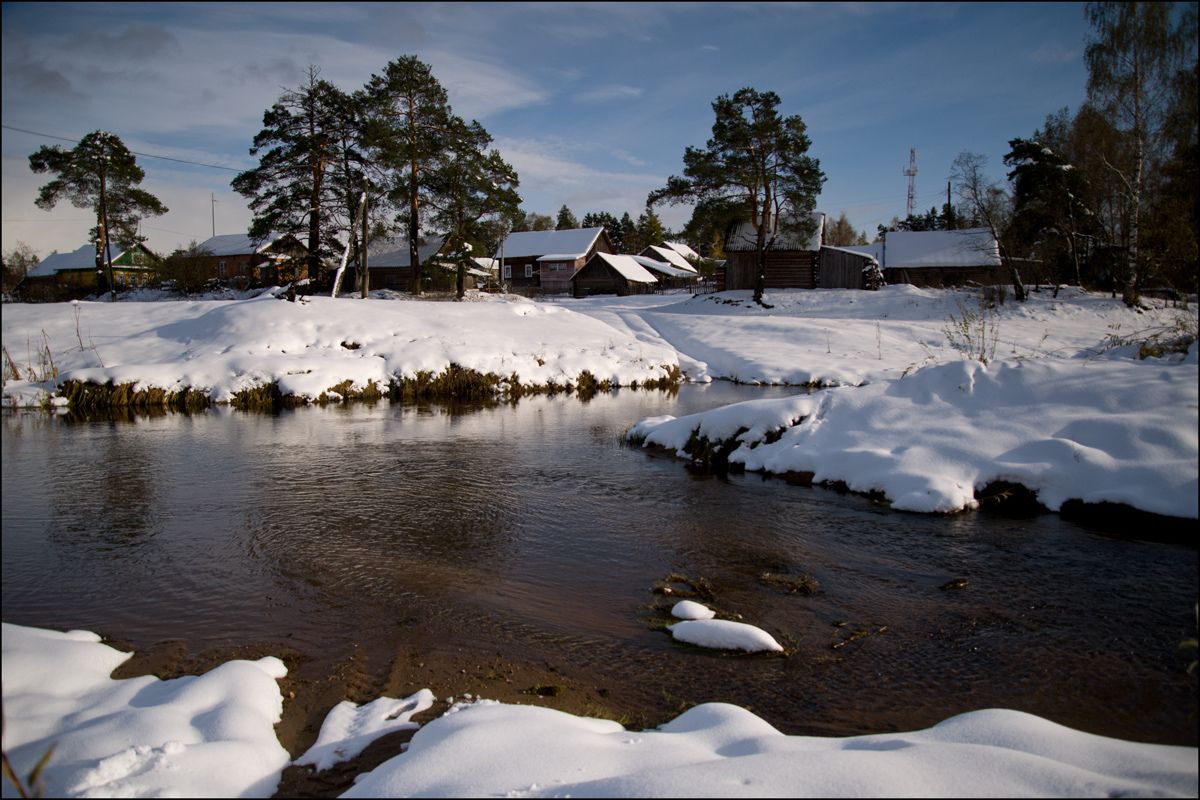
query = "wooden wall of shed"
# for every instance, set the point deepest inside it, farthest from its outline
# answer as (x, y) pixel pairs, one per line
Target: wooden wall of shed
(938, 277)
(840, 270)
(597, 277)
(786, 269)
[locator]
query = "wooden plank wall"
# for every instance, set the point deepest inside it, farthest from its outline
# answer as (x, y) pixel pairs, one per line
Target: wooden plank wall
(840, 270)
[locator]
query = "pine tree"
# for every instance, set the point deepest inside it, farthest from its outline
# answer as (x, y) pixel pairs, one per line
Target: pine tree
(566, 220)
(471, 188)
(409, 125)
(758, 159)
(650, 228)
(291, 190)
(611, 225)
(101, 174)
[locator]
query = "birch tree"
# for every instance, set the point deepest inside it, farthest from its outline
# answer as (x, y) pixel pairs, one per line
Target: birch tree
(1132, 61)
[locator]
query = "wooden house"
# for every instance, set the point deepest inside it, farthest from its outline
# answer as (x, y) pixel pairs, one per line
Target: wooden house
(791, 262)
(74, 274)
(605, 273)
(238, 260)
(545, 261)
(937, 258)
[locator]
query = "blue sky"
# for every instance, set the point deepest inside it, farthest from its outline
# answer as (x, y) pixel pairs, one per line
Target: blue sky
(593, 104)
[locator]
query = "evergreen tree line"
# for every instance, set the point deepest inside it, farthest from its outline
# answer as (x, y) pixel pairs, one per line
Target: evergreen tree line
(339, 169)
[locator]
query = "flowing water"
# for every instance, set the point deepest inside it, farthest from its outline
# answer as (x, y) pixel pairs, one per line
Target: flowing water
(532, 530)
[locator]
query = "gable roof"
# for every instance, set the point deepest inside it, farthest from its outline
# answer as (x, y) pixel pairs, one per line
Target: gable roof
(663, 268)
(627, 267)
(742, 237)
(394, 253)
(238, 244)
(972, 247)
(683, 250)
(579, 241)
(668, 255)
(83, 258)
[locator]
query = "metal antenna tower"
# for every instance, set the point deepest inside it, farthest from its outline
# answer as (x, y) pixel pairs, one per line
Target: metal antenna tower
(911, 172)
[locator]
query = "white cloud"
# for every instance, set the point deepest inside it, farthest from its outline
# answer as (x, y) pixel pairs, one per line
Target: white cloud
(614, 91)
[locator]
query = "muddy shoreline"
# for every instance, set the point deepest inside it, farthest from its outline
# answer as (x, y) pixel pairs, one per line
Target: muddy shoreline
(453, 673)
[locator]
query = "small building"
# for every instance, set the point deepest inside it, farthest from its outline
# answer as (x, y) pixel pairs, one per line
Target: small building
(237, 259)
(74, 274)
(389, 261)
(669, 276)
(937, 258)
(791, 262)
(605, 273)
(688, 253)
(545, 260)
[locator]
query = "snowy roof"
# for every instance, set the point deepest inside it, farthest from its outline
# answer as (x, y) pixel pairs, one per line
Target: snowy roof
(973, 247)
(562, 256)
(393, 253)
(83, 258)
(485, 263)
(863, 250)
(662, 267)
(669, 256)
(743, 238)
(537, 243)
(628, 268)
(237, 244)
(682, 249)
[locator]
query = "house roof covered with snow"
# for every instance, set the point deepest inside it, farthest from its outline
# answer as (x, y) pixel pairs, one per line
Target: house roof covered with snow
(663, 268)
(394, 253)
(743, 237)
(237, 244)
(83, 258)
(683, 250)
(668, 255)
(972, 247)
(579, 241)
(627, 267)
(873, 250)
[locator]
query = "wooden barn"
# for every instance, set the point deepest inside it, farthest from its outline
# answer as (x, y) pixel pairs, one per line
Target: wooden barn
(791, 262)
(605, 273)
(938, 258)
(669, 265)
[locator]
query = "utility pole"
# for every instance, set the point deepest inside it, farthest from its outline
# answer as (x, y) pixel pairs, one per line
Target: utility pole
(213, 198)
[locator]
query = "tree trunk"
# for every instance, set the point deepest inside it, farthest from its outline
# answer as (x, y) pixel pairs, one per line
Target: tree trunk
(366, 275)
(414, 229)
(105, 254)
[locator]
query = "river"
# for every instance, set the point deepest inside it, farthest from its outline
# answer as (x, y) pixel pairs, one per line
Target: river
(530, 533)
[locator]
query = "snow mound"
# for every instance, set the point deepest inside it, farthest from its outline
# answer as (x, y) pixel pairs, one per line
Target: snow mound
(725, 634)
(689, 609)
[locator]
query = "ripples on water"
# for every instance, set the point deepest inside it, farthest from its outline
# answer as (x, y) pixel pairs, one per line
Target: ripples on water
(534, 527)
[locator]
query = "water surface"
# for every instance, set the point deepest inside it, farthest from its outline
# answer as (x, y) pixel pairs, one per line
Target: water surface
(531, 530)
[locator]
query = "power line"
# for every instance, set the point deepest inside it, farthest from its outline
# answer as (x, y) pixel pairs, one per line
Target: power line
(144, 155)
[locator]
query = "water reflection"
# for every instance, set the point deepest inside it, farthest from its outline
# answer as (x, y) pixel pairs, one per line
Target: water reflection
(531, 526)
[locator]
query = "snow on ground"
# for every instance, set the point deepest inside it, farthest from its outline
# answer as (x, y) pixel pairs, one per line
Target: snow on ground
(212, 736)
(724, 634)
(1063, 407)
(222, 347)
(349, 727)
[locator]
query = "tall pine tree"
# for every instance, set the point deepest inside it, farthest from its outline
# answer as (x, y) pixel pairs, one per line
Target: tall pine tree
(291, 190)
(759, 160)
(101, 174)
